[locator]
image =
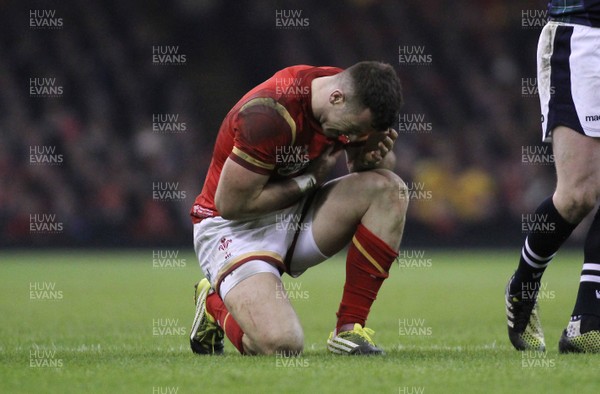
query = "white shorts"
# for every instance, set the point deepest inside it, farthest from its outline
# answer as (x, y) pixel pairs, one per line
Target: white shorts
(568, 75)
(230, 251)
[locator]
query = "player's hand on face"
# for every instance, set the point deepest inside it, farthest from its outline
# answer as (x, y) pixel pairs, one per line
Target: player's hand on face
(322, 165)
(378, 145)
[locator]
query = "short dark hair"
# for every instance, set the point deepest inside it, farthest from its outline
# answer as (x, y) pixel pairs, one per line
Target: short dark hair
(377, 87)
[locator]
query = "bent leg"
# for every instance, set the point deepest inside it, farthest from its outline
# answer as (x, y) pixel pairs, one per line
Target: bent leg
(378, 199)
(260, 307)
(366, 210)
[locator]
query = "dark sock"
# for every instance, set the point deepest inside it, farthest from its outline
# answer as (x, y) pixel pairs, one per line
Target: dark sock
(588, 296)
(547, 231)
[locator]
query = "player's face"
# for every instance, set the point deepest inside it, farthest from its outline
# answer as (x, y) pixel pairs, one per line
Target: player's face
(352, 124)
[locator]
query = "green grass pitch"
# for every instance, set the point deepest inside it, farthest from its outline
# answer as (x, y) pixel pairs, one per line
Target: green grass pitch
(117, 322)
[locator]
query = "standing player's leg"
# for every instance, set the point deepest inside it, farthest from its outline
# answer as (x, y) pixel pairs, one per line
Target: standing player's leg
(560, 213)
(577, 158)
(577, 193)
(366, 210)
(566, 77)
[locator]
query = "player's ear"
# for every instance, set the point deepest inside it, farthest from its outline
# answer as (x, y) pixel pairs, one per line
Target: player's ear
(336, 97)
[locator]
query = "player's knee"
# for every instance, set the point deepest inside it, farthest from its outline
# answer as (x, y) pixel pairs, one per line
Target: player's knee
(577, 202)
(390, 190)
(284, 344)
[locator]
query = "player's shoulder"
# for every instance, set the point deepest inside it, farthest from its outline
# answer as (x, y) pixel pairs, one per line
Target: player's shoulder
(303, 72)
(263, 106)
(264, 120)
(281, 96)
(305, 69)
(273, 89)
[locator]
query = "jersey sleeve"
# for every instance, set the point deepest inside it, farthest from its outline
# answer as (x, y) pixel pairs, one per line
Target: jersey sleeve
(263, 127)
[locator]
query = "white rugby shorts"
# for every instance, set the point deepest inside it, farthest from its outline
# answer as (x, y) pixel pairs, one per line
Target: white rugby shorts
(230, 251)
(568, 76)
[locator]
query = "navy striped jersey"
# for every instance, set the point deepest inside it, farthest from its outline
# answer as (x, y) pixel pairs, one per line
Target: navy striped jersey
(581, 12)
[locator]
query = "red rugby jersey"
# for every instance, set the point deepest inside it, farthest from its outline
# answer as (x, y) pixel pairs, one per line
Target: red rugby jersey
(270, 131)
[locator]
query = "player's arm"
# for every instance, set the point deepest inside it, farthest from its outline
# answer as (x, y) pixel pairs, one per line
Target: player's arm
(375, 153)
(245, 188)
(244, 194)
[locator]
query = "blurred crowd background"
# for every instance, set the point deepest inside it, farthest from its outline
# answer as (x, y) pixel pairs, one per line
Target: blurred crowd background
(469, 95)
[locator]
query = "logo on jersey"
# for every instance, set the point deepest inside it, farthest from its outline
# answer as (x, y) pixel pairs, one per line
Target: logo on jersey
(224, 246)
(224, 243)
(291, 159)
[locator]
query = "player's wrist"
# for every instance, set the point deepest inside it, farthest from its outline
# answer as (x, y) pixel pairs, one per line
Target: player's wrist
(364, 162)
(305, 182)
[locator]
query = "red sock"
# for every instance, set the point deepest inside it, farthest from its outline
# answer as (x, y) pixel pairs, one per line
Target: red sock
(216, 307)
(367, 265)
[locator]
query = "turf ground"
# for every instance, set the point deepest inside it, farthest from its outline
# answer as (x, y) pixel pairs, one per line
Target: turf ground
(117, 322)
